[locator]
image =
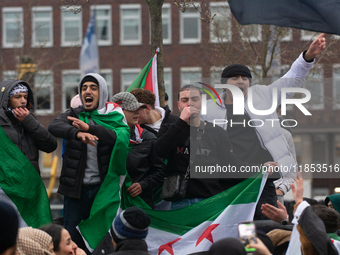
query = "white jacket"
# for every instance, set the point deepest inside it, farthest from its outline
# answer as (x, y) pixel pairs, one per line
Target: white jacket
(269, 135)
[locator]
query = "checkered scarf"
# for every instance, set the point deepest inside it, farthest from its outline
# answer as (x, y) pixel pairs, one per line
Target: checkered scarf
(33, 241)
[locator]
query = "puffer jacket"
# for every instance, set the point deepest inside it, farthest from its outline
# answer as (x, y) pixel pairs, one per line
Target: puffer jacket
(75, 155)
(29, 135)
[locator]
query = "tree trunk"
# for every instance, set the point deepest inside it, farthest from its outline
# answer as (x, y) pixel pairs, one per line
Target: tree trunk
(155, 7)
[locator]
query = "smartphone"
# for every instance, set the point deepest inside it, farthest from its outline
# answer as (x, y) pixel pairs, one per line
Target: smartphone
(247, 234)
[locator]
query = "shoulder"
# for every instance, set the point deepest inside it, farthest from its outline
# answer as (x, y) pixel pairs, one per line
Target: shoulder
(148, 135)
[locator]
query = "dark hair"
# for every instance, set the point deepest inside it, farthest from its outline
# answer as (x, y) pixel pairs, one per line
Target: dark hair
(144, 96)
(166, 97)
(329, 217)
(188, 87)
(55, 232)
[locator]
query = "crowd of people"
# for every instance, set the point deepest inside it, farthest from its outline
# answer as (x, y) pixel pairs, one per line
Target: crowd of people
(155, 146)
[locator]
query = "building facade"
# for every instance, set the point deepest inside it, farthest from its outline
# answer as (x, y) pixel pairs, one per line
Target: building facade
(46, 36)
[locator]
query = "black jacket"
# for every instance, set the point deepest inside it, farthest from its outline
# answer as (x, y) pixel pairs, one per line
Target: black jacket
(131, 247)
(29, 135)
(74, 163)
(145, 167)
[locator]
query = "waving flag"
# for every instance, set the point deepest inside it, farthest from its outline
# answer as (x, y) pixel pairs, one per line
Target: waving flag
(185, 231)
(147, 78)
(89, 58)
(21, 185)
(314, 15)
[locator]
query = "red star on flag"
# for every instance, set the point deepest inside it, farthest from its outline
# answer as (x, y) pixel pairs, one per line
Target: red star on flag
(168, 247)
(207, 234)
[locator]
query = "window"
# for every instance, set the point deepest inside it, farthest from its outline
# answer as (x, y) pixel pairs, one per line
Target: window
(166, 23)
(308, 35)
(107, 75)
(190, 75)
(220, 27)
(215, 77)
(314, 83)
(336, 86)
(337, 149)
(190, 27)
(103, 24)
(287, 34)
(43, 93)
(9, 75)
(71, 28)
(168, 84)
(12, 27)
(70, 79)
(42, 26)
(256, 73)
(130, 24)
(128, 75)
(251, 33)
(319, 148)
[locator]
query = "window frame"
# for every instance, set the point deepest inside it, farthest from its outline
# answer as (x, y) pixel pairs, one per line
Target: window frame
(139, 19)
(21, 27)
(109, 18)
(167, 16)
(50, 20)
(126, 71)
(251, 38)
(51, 95)
(184, 15)
(195, 69)
(335, 86)
(213, 38)
(64, 85)
(64, 43)
(169, 92)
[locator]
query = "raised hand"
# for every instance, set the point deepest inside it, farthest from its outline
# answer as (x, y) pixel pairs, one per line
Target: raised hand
(316, 47)
(21, 113)
(298, 191)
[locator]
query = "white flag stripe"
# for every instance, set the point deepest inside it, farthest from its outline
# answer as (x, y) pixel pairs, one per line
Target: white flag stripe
(225, 225)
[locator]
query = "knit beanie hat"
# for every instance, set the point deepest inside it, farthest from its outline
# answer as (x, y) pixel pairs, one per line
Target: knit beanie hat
(33, 241)
(131, 223)
(234, 70)
(89, 78)
(9, 225)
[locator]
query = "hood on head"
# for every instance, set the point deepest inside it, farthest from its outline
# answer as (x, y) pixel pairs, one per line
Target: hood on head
(7, 85)
(103, 93)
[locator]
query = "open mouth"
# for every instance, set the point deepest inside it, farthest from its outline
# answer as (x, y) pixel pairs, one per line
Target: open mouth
(88, 100)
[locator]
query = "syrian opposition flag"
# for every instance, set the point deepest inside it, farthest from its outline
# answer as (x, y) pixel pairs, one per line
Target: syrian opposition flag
(22, 186)
(196, 227)
(107, 200)
(147, 78)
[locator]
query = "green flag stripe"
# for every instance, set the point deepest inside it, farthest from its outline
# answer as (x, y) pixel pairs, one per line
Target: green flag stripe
(179, 221)
(22, 184)
(139, 82)
(107, 200)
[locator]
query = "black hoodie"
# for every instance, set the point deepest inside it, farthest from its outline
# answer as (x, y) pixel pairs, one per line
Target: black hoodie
(29, 135)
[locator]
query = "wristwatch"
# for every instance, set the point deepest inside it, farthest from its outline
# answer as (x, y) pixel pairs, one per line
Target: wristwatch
(285, 221)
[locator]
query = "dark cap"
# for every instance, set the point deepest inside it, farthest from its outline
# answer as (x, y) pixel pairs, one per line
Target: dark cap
(9, 225)
(131, 223)
(89, 78)
(234, 70)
